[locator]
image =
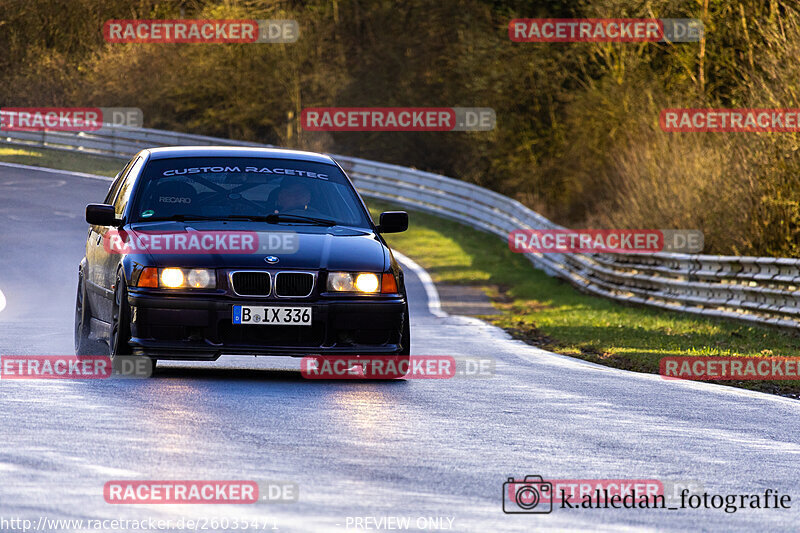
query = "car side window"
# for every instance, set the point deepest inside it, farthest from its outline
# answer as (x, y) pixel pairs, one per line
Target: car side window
(112, 191)
(124, 193)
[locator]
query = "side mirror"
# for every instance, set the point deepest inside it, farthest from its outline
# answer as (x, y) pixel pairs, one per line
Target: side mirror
(393, 222)
(101, 215)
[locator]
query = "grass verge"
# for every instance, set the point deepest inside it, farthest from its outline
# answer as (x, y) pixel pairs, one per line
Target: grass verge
(551, 314)
(61, 160)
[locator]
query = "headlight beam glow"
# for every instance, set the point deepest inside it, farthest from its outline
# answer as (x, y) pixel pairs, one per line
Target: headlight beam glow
(172, 278)
(367, 282)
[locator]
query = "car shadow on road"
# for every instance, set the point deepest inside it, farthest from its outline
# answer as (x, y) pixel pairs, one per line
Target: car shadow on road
(253, 374)
(237, 374)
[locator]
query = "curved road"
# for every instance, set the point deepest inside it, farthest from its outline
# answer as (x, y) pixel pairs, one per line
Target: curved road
(414, 448)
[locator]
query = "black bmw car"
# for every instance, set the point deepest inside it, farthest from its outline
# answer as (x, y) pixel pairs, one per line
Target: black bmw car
(202, 251)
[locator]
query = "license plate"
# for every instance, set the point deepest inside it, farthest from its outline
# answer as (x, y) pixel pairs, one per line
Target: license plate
(271, 316)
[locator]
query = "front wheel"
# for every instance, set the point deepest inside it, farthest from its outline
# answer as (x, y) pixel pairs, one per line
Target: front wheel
(84, 345)
(118, 342)
(405, 340)
(403, 365)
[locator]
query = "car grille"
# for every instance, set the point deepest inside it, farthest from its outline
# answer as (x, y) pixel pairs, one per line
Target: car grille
(294, 283)
(251, 283)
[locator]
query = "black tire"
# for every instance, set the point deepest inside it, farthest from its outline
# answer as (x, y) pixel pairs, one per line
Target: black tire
(405, 340)
(118, 341)
(401, 362)
(84, 345)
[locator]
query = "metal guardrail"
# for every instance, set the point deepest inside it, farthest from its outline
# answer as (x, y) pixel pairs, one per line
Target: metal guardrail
(761, 290)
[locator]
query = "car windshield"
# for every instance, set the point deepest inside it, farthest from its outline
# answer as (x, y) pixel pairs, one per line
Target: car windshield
(287, 191)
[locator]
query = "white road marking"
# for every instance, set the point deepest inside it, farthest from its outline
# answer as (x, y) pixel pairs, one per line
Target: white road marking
(434, 304)
(2, 301)
(54, 171)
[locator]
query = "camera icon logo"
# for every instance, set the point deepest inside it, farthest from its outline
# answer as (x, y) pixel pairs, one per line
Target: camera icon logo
(532, 495)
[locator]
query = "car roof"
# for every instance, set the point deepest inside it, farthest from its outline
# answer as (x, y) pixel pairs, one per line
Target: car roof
(237, 151)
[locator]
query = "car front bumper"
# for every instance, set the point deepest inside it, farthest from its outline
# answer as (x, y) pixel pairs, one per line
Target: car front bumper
(195, 327)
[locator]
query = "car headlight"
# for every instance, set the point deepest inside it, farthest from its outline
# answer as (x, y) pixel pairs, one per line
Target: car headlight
(367, 282)
(341, 282)
(172, 278)
(177, 278)
(200, 278)
(360, 282)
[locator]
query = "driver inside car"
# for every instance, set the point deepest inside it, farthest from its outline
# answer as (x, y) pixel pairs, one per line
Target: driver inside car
(292, 197)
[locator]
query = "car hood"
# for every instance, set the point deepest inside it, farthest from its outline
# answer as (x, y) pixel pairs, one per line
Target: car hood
(295, 246)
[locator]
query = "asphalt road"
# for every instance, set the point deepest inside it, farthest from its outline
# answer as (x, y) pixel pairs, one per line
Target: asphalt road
(415, 448)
